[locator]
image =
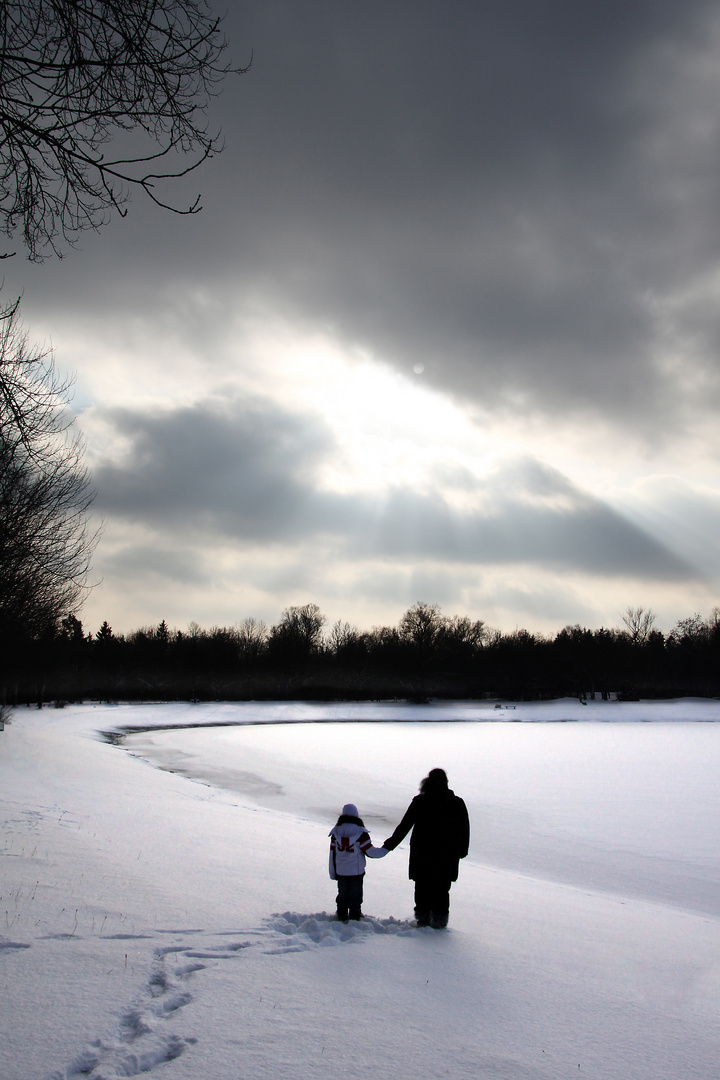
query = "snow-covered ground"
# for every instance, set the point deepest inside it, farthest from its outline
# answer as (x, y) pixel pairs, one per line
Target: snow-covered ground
(173, 921)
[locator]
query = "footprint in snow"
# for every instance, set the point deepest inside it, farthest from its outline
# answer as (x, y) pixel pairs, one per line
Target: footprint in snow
(295, 932)
(139, 1044)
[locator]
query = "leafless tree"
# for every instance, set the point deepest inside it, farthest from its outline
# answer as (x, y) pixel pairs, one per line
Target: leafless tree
(76, 73)
(694, 629)
(251, 637)
(639, 623)
(45, 493)
(459, 631)
(299, 633)
(420, 625)
(341, 636)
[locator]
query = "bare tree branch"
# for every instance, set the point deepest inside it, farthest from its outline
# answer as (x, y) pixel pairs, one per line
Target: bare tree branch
(75, 74)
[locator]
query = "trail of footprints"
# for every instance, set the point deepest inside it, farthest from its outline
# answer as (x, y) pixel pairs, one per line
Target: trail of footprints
(139, 1045)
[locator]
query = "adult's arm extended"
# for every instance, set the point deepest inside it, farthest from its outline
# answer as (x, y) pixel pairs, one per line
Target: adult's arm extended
(403, 828)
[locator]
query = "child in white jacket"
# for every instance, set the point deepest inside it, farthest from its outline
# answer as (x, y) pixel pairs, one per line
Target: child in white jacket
(350, 844)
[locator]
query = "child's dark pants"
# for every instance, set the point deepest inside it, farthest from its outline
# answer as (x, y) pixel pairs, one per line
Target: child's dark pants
(350, 896)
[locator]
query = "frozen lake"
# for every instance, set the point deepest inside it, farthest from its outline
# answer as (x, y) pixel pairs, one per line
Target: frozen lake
(631, 807)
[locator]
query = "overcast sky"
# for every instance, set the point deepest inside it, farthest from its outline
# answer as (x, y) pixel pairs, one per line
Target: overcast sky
(446, 329)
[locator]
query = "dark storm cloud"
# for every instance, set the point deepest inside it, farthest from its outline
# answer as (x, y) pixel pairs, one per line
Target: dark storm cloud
(136, 561)
(476, 186)
(248, 473)
(503, 191)
(214, 465)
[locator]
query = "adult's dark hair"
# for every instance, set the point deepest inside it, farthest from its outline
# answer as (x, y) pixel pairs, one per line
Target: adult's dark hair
(435, 781)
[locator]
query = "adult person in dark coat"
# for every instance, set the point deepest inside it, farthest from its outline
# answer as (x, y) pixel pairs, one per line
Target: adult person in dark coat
(440, 838)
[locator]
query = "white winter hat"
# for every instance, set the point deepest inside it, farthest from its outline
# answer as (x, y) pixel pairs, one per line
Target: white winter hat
(350, 810)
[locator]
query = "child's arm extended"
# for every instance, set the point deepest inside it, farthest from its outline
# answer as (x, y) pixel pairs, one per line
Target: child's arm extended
(366, 846)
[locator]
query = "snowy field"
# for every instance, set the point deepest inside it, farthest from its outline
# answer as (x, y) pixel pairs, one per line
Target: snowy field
(165, 902)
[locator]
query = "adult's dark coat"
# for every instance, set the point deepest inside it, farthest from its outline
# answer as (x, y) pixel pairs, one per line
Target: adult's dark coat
(440, 837)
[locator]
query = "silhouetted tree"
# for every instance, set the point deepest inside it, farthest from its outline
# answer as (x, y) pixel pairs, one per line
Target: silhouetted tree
(298, 635)
(72, 76)
(691, 631)
(573, 651)
(459, 641)
(419, 629)
(45, 495)
(341, 638)
(420, 625)
(693, 646)
(639, 623)
(252, 635)
(71, 629)
(469, 660)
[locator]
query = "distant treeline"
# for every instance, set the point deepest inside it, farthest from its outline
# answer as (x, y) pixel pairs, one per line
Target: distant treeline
(428, 654)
